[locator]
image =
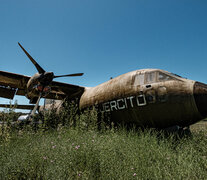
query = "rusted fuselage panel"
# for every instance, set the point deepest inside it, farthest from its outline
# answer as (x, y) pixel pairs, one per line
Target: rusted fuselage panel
(156, 104)
(112, 89)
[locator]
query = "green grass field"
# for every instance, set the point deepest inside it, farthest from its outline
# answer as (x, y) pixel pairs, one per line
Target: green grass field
(68, 152)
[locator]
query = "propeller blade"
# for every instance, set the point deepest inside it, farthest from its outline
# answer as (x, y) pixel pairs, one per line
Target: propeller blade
(38, 67)
(36, 105)
(76, 74)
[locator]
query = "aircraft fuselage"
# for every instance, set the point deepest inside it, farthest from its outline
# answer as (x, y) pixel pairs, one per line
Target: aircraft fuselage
(149, 97)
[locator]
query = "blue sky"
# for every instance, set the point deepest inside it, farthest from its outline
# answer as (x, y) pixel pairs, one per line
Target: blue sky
(104, 38)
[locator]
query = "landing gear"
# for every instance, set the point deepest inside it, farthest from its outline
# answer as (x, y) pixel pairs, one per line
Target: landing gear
(177, 130)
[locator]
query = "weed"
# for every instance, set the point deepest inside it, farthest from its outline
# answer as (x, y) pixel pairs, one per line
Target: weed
(68, 146)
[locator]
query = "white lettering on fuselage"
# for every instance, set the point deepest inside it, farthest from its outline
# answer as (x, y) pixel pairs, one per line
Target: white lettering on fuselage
(123, 103)
(119, 105)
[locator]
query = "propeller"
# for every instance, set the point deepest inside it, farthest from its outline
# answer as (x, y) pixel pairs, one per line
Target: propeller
(76, 74)
(38, 67)
(45, 78)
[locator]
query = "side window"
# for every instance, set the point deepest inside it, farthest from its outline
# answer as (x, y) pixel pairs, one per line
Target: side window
(151, 77)
(139, 79)
(164, 77)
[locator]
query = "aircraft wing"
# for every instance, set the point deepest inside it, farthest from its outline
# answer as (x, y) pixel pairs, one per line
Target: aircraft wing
(11, 84)
(61, 90)
(16, 106)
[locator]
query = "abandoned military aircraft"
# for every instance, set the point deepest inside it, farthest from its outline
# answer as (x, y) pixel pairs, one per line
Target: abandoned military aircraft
(147, 97)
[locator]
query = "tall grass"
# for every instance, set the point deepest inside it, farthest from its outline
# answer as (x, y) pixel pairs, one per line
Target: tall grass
(74, 149)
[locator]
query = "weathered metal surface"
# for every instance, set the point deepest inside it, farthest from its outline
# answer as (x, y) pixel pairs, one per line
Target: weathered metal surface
(13, 80)
(157, 104)
(200, 95)
(112, 89)
(7, 92)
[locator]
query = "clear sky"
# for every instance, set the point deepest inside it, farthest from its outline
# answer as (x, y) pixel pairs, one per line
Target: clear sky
(104, 38)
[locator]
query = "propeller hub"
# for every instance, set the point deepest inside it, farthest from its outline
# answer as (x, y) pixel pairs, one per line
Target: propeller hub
(46, 78)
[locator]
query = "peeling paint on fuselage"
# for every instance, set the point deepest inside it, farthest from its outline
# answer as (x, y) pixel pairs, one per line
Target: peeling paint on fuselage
(157, 104)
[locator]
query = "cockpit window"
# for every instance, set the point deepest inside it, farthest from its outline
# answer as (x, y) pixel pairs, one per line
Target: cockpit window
(151, 77)
(139, 79)
(176, 75)
(164, 77)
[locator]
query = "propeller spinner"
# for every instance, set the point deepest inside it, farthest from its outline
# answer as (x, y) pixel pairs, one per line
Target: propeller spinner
(44, 79)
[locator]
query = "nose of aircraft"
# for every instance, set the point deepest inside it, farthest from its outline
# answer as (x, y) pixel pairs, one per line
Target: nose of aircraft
(200, 95)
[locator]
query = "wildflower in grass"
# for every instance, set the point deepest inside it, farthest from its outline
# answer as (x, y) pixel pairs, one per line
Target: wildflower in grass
(77, 147)
(45, 157)
(134, 174)
(72, 144)
(93, 140)
(54, 146)
(132, 168)
(20, 132)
